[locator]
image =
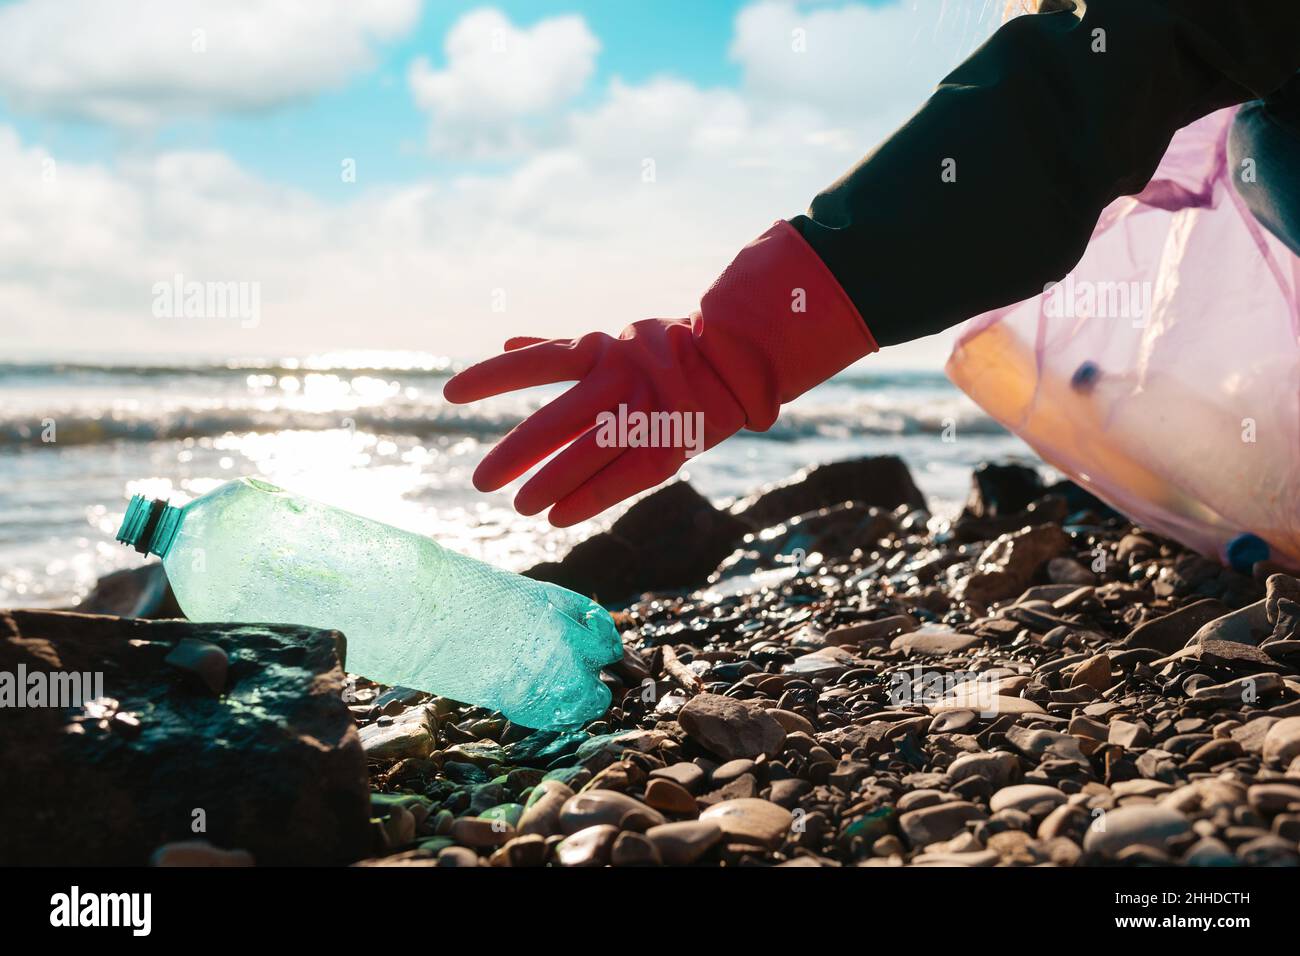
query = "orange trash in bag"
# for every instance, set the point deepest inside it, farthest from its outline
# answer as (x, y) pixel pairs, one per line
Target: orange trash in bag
(1163, 374)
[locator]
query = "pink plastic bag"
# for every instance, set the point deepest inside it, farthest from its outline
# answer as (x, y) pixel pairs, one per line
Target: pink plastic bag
(1164, 374)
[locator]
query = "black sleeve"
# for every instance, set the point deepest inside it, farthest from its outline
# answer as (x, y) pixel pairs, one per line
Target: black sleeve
(1044, 126)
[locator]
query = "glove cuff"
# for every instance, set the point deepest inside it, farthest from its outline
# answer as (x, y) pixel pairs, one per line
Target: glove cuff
(776, 323)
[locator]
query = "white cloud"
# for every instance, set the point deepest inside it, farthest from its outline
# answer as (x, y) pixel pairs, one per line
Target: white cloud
(500, 81)
(151, 60)
(573, 234)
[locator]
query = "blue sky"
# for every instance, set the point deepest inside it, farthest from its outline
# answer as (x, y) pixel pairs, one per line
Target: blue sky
(135, 150)
(373, 116)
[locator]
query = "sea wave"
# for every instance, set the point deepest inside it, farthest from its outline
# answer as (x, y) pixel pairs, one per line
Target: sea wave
(429, 421)
(74, 372)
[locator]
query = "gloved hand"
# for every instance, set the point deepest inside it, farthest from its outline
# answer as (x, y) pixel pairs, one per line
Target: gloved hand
(775, 324)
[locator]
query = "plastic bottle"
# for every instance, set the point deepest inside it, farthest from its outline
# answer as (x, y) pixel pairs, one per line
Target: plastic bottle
(414, 613)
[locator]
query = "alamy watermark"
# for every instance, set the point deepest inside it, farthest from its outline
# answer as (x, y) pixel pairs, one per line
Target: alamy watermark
(178, 298)
(1085, 299)
(964, 689)
(635, 429)
(75, 909)
(49, 688)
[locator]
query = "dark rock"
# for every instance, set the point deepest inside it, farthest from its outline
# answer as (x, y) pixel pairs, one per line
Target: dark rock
(1002, 489)
(1282, 588)
(681, 844)
(1009, 563)
(731, 728)
(942, 821)
(1169, 632)
(1247, 625)
(670, 540)
(274, 764)
(830, 532)
(133, 592)
(881, 482)
(633, 849)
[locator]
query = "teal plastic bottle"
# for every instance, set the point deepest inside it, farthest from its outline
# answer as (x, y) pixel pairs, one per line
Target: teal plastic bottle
(414, 613)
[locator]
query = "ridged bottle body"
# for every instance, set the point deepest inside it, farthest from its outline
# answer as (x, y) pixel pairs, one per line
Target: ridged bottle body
(414, 613)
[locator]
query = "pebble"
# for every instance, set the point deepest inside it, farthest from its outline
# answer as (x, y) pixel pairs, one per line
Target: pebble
(1055, 732)
(408, 735)
(1094, 673)
(998, 768)
(786, 793)
(1172, 631)
(457, 856)
(1271, 798)
(952, 721)
(731, 728)
(792, 722)
(205, 661)
(1282, 741)
(750, 820)
(987, 705)
(688, 776)
(542, 812)
(871, 631)
(731, 770)
(1130, 735)
(1139, 788)
(1241, 690)
(1247, 625)
(976, 858)
(669, 797)
(681, 844)
(589, 846)
(1069, 571)
(606, 807)
(199, 853)
(1026, 797)
(634, 849)
(939, 822)
(480, 833)
(1143, 824)
(1209, 852)
(529, 850)
(931, 641)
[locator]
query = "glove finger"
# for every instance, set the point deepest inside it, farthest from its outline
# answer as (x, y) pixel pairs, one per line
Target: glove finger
(521, 341)
(635, 470)
(550, 427)
(565, 472)
(544, 363)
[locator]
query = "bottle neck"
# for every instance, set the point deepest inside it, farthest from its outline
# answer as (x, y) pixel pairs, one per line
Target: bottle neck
(149, 525)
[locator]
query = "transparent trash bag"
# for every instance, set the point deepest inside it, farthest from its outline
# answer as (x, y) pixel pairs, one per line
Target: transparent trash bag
(1163, 374)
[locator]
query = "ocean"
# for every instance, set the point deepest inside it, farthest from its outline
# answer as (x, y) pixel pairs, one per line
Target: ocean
(370, 433)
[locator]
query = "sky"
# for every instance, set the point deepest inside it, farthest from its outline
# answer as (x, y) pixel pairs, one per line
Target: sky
(423, 175)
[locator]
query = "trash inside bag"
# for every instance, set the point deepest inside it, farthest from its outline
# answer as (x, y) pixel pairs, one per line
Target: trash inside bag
(1163, 374)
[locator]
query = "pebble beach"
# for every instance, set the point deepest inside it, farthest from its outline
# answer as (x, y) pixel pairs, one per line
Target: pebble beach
(1037, 682)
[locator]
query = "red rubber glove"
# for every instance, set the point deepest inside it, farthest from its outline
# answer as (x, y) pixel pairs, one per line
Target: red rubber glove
(775, 324)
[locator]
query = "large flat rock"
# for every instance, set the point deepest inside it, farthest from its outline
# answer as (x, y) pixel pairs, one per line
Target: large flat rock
(270, 764)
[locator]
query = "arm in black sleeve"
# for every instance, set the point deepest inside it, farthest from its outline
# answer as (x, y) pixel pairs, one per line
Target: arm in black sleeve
(1042, 128)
